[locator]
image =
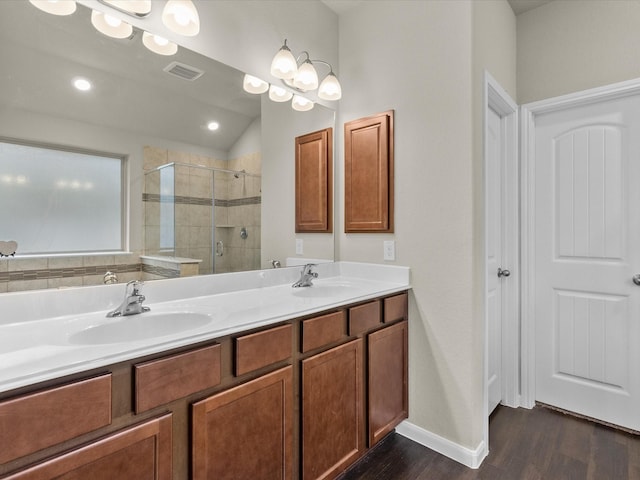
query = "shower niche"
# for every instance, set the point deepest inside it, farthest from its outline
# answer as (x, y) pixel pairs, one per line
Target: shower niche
(200, 220)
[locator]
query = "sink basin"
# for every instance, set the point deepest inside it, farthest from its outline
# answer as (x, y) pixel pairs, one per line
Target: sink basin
(139, 327)
(318, 290)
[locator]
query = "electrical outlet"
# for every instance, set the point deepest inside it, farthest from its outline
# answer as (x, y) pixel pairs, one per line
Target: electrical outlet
(389, 249)
(299, 246)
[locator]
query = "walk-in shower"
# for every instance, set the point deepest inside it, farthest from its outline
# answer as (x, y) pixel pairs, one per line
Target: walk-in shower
(204, 216)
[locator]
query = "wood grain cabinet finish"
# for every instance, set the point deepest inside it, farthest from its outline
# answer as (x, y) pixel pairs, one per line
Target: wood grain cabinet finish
(140, 452)
(364, 317)
(35, 421)
(368, 159)
(314, 182)
(263, 348)
(246, 432)
(387, 380)
(332, 411)
(164, 380)
(323, 330)
(396, 308)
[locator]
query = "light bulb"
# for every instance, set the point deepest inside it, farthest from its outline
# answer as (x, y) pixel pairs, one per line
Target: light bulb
(306, 78)
(110, 25)
(279, 94)
(284, 63)
(254, 85)
(301, 104)
(330, 88)
(55, 7)
(158, 44)
(82, 84)
(181, 16)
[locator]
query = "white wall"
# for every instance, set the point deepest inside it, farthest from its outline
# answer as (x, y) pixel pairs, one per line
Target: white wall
(249, 142)
(425, 60)
(278, 179)
(567, 46)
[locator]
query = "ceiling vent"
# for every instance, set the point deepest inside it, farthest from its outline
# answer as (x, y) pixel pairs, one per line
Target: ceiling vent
(186, 72)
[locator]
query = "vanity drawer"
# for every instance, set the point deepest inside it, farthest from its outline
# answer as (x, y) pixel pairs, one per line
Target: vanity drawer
(396, 308)
(364, 317)
(263, 348)
(42, 419)
(324, 330)
(164, 380)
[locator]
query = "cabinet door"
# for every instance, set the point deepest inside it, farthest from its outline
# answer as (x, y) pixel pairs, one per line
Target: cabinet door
(368, 174)
(387, 380)
(142, 452)
(314, 182)
(245, 432)
(332, 411)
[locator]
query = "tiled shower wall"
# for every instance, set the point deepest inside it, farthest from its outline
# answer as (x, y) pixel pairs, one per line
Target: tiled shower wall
(236, 203)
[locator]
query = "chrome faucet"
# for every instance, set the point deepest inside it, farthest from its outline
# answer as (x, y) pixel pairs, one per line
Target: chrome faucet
(306, 276)
(132, 303)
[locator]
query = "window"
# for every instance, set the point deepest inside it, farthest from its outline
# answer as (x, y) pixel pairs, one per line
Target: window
(61, 201)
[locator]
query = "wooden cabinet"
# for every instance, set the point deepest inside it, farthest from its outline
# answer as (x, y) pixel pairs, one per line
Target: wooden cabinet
(332, 410)
(314, 182)
(245, 432)
(368, 164)
(387, 379)
(139, 452)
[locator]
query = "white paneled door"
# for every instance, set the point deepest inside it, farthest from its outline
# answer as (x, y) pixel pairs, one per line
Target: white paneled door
(494, 257)
(587, 252)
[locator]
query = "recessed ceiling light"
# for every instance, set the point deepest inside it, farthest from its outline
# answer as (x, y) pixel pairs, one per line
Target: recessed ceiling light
(82, 84)
(213, 126)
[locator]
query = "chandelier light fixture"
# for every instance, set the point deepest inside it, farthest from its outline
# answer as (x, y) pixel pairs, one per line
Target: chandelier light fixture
(300, 75)
(139, 8)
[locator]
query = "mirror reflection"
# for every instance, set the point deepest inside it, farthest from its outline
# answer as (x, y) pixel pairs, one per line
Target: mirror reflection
(201, 184)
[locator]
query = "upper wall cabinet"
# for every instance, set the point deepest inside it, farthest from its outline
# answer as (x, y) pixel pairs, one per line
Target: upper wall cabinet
(368, 163)
(314, 182)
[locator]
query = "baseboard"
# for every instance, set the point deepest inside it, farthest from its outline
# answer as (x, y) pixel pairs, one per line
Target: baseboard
(463, 455)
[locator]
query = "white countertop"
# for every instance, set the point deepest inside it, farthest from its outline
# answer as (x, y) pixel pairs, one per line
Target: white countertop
(52, 333)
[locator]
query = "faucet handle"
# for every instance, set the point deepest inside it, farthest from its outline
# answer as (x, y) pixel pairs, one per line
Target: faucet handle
(135, 286)
(307, 268)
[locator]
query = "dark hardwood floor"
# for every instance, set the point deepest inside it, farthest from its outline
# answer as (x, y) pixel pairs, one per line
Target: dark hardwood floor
(537, 444)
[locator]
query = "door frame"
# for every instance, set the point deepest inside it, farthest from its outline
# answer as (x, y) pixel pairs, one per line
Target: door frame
(497, 99)
(528, 113)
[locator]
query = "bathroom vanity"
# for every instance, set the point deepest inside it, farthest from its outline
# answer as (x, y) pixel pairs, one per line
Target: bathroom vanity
(263, 381)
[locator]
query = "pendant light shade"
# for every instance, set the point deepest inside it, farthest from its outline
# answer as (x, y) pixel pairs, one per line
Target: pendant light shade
(279, 94)
(158, 44)
(181, 16)
(55, 7)
(137, 7)
(110, 25)
(301, 104)
(330, 88)
(284, 64)
(254, 85)
(306, 78)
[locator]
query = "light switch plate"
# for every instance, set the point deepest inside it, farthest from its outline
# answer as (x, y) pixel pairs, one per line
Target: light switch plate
(299, 246)
(389, 250)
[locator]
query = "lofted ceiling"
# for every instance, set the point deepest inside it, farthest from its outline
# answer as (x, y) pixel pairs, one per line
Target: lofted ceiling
(518, 6)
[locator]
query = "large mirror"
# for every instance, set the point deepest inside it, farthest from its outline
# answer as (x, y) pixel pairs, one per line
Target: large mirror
(223, 198)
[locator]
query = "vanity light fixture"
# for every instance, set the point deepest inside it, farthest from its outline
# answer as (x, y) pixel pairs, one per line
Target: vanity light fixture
(55, 7)
(303, 76)
(110, 26)
(279, 94)
(253, 84)
(158, 44)
(181, 17)
(301, 104)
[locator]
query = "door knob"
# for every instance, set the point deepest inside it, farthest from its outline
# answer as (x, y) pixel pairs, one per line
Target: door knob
(636, 279)
(506, 273)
